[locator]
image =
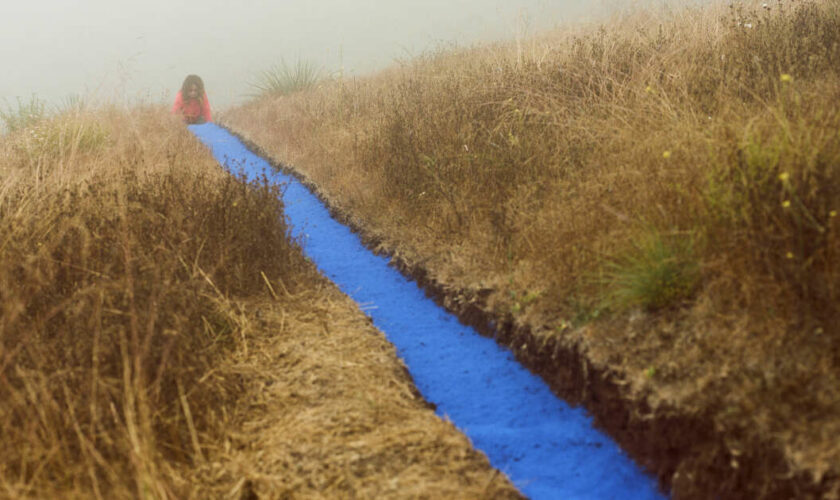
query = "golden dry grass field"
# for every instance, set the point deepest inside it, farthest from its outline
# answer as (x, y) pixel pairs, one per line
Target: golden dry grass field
(161, 337)
(648, 207)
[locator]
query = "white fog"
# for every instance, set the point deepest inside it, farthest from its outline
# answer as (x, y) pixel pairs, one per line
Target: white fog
(125, 51)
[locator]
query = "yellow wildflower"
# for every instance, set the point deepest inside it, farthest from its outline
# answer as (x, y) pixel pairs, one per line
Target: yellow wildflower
(789, 255)
(786, 204)
(784, 176)
(786, 78)
(666, 154)
(833, 213)
(649, 89)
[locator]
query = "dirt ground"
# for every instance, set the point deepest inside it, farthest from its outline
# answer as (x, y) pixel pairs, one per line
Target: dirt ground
(331, 412)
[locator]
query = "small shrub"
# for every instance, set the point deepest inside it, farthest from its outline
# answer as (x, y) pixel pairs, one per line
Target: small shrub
(55, 140)
(61, 136)
(771, 195)
(283, 79)
(26, 115)
(658, 271)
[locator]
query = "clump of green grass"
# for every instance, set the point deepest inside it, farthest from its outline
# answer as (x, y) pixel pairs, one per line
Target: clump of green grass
(61, 136)
(53, 133)
(26, 114)
(284, 79)
(657, 271)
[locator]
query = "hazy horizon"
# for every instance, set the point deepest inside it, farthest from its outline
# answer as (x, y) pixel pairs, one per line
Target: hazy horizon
(133, 50)
(142, 50)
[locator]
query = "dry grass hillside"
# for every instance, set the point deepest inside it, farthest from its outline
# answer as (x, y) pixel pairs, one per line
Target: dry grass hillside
(658, 194)
(120, 254)
(161, 337)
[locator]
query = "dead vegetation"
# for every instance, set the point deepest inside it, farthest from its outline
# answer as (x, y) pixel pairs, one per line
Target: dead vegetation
(122, 248)
(329, 412)
(660, 192)
(130, 266)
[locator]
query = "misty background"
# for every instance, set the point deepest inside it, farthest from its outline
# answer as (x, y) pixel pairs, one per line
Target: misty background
(142, 50)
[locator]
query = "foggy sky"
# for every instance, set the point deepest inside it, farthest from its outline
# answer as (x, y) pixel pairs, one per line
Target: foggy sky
(113, 49)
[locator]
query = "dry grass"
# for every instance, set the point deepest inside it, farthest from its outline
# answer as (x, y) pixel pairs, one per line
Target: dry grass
(138, 337)
(122, 245)
(329, 412)
(539, 170)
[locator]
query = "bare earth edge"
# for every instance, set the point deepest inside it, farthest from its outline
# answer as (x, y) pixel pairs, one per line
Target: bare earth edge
(683, 451)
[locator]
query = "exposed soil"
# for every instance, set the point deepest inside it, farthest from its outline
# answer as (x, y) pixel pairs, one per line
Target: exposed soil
(684, 448)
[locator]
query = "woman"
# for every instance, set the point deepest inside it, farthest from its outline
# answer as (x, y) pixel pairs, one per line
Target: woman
(191, 102)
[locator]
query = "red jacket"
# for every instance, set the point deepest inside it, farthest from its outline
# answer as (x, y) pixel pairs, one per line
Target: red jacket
(192, 109)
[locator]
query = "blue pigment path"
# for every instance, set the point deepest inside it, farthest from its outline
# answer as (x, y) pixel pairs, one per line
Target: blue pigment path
(548, 449)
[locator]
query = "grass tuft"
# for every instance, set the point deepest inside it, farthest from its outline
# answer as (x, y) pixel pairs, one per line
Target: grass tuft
(284, 79)
(26, 114)
(657, 271)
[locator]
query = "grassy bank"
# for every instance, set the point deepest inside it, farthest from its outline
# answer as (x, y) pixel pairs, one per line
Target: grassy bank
(659, 192)
(123, 250)
(161, 337)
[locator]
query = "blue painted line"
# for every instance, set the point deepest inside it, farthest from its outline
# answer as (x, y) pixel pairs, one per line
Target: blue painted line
(547, 448)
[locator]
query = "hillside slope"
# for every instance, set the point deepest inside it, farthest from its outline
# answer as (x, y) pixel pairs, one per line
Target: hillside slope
(647, 211)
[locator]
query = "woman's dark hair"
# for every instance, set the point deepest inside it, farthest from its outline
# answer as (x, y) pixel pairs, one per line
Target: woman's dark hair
(189, 81)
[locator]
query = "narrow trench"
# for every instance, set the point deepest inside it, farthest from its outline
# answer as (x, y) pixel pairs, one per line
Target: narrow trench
(548, 449)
